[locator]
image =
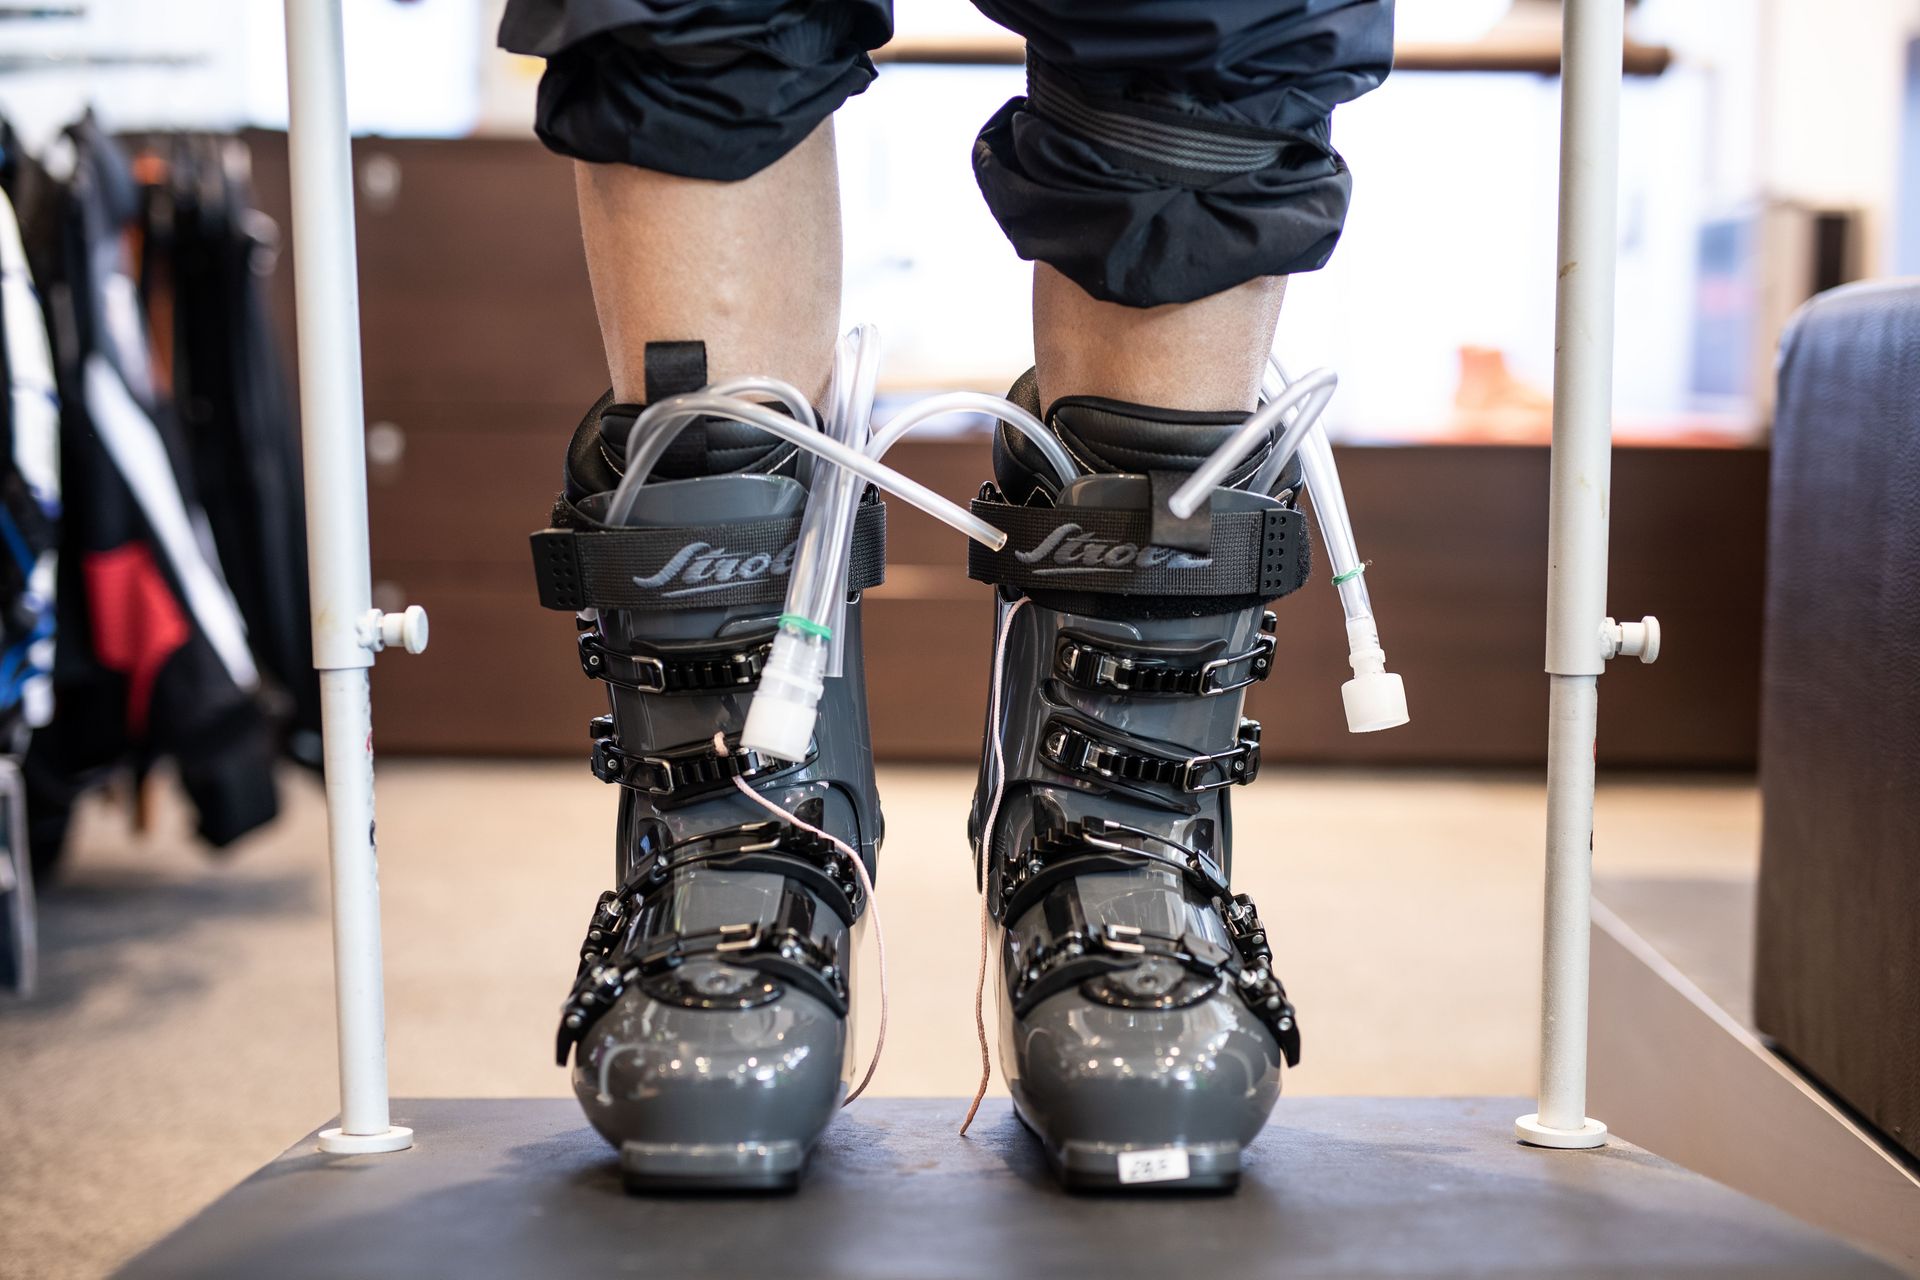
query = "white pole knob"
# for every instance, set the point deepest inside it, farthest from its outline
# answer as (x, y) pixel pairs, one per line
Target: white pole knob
(1632, 639)
(404, 630)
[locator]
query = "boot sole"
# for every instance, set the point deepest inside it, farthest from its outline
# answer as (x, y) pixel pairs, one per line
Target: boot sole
(650, 1168)
(1212, 1167)
(1083, 1165)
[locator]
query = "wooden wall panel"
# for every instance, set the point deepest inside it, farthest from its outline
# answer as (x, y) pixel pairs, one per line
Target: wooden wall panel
(1456, 537)
(481, 353)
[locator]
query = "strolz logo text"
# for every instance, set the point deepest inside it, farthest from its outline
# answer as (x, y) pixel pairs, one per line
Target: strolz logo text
(700, 567)
(1071, 549)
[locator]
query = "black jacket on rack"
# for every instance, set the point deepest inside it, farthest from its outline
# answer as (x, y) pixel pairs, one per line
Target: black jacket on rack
(207, 254)
(154, 661)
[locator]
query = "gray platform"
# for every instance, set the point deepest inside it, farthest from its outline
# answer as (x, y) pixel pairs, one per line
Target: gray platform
(1673, 984)
(1336, 1186)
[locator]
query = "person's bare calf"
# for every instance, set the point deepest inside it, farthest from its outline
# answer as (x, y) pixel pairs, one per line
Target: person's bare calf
(752, 267)
(1201, 355)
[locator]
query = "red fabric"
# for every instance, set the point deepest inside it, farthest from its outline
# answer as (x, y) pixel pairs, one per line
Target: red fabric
(137, 622)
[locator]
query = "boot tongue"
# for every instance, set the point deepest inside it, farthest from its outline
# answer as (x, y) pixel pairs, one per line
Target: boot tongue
(709, 447)
(705, 447)
(1165, 445)
(1113, 436)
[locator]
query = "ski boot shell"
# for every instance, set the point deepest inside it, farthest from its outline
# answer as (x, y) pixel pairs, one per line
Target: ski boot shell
(708, 1026)
(1141, 1026)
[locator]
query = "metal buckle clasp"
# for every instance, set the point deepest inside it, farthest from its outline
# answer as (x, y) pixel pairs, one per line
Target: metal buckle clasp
(648, 674)
(1235, 765)
(1073, 751)
(737, 937)
(1259, 660)
(1092, 666)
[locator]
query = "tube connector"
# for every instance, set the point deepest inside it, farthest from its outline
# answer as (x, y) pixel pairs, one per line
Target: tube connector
(1375, 698)
(781, 717)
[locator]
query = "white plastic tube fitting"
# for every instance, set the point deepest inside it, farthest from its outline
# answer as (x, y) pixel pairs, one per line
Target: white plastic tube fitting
(1375, 698)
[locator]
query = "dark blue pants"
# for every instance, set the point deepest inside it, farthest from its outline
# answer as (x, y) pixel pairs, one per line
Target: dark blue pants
(1165, 150)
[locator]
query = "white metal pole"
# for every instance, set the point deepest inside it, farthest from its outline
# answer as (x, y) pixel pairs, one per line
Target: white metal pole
(1592, 42)
(347, 631)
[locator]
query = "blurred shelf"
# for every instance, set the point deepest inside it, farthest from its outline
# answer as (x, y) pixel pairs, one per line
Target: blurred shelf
(1529, 56)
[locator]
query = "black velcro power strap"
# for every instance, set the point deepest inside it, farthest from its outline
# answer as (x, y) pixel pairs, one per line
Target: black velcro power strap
(675, 369)
(691, 568)
(1101, 549)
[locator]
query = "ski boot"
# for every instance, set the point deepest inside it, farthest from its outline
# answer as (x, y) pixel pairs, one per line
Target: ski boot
(709, 1022)
(1142, 1029)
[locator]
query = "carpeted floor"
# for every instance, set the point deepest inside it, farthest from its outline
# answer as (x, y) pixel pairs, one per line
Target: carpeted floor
(183, 1034)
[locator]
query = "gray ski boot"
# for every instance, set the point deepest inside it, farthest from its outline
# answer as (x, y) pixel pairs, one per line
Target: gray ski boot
(1142, 1028)
(708, 1023)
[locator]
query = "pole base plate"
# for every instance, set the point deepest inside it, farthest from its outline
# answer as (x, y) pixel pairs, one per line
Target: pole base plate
(336, 1142)
(1529, 1130)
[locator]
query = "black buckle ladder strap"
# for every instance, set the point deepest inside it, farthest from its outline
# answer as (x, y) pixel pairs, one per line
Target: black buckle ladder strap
(778, 847)
(613, 959)
(1094, 844)
(1092, 951)
(1085, 750)
(680, 773)
(1103, 668)
(720, 668)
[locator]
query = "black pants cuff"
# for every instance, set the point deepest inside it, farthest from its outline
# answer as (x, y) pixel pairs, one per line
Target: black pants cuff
(715, 89)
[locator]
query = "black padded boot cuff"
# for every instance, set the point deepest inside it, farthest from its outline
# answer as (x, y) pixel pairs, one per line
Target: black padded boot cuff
(707, 447)
(1114, 436)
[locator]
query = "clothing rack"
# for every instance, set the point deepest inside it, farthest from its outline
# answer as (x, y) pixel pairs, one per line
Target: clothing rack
(22, 63)
(17, 63)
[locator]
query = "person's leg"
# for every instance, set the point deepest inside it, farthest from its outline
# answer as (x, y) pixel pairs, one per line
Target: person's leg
(707, 1022)
(1169, 167)
(708, 196)
(674, 258)
(1175, 158)
(1204, 354)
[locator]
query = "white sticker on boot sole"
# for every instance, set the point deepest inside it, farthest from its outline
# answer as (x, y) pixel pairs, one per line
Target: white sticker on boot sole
(1160, 1164)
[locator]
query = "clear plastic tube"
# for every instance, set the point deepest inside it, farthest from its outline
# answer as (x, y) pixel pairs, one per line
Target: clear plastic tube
(1375, 698)
(1309, 396)
(1329, 500)
(656, 427)
(817, 589)
(785, 392)
(1323, 483)
(808, 643)
(666, 429)
(975, 402)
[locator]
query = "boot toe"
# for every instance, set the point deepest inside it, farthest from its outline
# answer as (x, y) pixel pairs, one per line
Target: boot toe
(727, 1097)
(1106, 1087)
